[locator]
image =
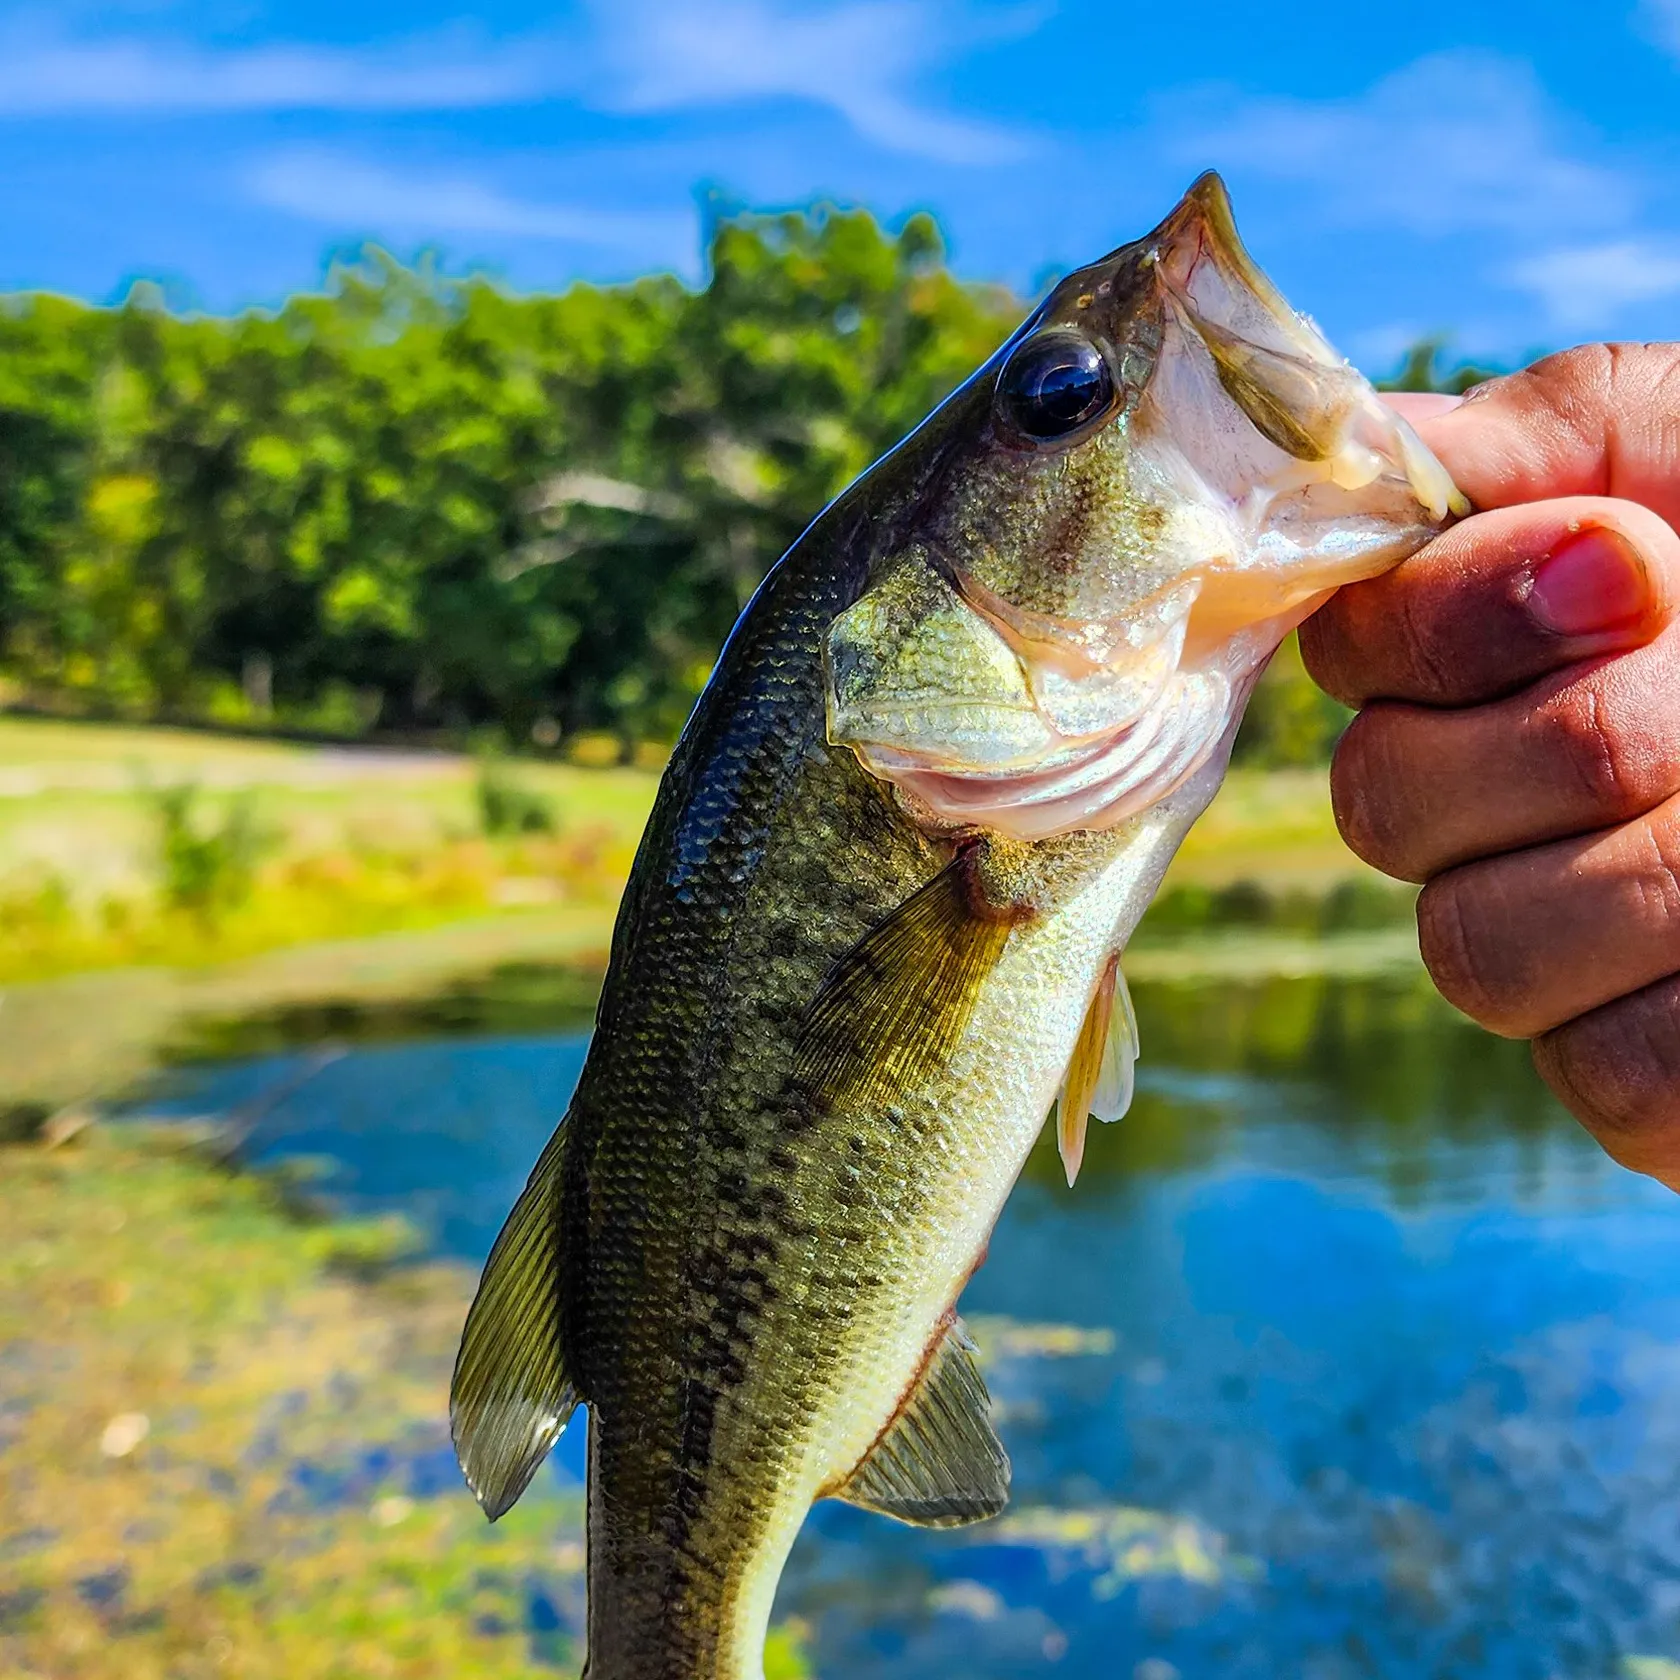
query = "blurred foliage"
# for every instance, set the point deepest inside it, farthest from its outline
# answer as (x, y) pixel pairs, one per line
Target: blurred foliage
(508, 805)
(421, 504)
(207, 866)
(1290, 720)
(1421, 369)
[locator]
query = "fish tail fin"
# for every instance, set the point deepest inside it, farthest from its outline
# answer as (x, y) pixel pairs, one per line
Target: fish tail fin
(512, 1395)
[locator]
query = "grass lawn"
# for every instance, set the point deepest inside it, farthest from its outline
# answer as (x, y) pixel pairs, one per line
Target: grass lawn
(346, 843)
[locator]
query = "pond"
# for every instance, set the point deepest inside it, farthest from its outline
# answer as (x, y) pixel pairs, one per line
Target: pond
(1348, 1356)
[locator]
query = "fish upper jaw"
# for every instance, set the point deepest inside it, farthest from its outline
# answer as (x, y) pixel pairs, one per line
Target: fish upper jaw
(1103, 572)
(1251, 413)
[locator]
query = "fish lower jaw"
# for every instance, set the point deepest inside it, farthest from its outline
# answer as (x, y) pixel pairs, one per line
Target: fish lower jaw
(1094, 786)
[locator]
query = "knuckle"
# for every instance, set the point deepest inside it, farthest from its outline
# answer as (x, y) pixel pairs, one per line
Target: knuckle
(1618, 1071)
(1434, 674)
(1367, 779)
(1658, 881)
(1470, 953)
(1605, 395)
(1576, 384)
(1641, 420)
(1644, 370)
(1598, 751)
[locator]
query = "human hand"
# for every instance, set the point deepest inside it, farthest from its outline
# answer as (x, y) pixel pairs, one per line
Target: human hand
(1518, 742)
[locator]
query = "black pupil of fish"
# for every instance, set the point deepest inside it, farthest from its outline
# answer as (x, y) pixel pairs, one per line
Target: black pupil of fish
(1055, 385)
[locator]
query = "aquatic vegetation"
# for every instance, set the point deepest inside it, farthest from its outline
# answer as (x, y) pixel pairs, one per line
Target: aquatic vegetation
(222, 1447)
(1123, 1544)
(1009, 1338)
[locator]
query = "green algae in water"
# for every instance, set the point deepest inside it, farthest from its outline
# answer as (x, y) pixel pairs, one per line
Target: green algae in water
(223, 1447)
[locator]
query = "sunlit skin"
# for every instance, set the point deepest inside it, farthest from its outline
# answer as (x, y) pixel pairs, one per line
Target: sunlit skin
(1518, 744)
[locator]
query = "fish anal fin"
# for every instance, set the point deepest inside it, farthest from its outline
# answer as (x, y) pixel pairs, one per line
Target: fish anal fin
(939, 1463)
(897, 1004)
(1117, 1078)
(511, 1395)
(1099, 1075)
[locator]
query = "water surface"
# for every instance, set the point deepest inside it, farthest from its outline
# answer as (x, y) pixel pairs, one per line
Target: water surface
(1349, 1355)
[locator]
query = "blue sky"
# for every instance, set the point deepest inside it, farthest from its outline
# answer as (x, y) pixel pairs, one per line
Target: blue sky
(1505, 172)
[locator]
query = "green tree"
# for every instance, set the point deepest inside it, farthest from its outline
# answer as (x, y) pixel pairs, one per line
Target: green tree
(424, 502)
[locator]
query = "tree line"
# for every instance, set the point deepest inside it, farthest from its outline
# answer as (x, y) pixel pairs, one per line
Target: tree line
(416, 504)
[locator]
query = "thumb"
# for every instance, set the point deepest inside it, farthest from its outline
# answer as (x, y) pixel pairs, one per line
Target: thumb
(1600, 420)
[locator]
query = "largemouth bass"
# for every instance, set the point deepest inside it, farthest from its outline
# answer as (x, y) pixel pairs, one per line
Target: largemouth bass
(873, 930)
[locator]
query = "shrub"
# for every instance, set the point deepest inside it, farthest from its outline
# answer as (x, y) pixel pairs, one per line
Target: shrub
(207, 867)
(507, 805)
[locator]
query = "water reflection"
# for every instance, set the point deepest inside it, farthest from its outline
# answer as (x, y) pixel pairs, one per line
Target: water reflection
(1348, 1356)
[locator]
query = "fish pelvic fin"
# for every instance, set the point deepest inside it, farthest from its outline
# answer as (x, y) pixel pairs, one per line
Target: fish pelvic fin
(939, 1463)
(511, 1395)
(1099, 1077)
(897, 1004)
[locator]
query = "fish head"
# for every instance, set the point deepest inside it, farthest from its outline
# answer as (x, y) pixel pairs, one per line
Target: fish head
(1161, 473)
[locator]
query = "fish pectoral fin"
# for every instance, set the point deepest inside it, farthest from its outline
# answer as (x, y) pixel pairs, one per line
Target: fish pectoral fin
(896, 1005)
(939, 1463)
(511, 1396)
(1099, 1075)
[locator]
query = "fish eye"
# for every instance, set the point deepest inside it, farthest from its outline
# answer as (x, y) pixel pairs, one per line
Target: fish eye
(1053, 385)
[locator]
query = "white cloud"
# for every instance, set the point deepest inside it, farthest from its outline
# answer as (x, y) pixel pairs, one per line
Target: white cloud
(1661, 19)
(1584, 288)
(866, 60)
(862, 59)
(1458, 141)
(345, 193)
(45, 76)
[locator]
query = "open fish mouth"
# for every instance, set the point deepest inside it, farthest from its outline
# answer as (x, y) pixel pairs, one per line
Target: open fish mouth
(1278, 368)
(1191, 469)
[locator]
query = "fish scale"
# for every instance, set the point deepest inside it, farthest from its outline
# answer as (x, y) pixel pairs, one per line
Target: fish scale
(864, 934)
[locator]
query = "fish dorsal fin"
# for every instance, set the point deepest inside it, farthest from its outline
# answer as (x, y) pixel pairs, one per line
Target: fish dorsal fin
(939, 1463)
(898, 1002)
(511, 1395)
(1099, 1074)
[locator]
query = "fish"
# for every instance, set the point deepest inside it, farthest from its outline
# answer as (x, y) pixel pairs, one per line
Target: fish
(873, 932)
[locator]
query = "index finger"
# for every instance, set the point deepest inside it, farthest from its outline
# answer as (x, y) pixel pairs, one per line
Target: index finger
(1498, 601)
